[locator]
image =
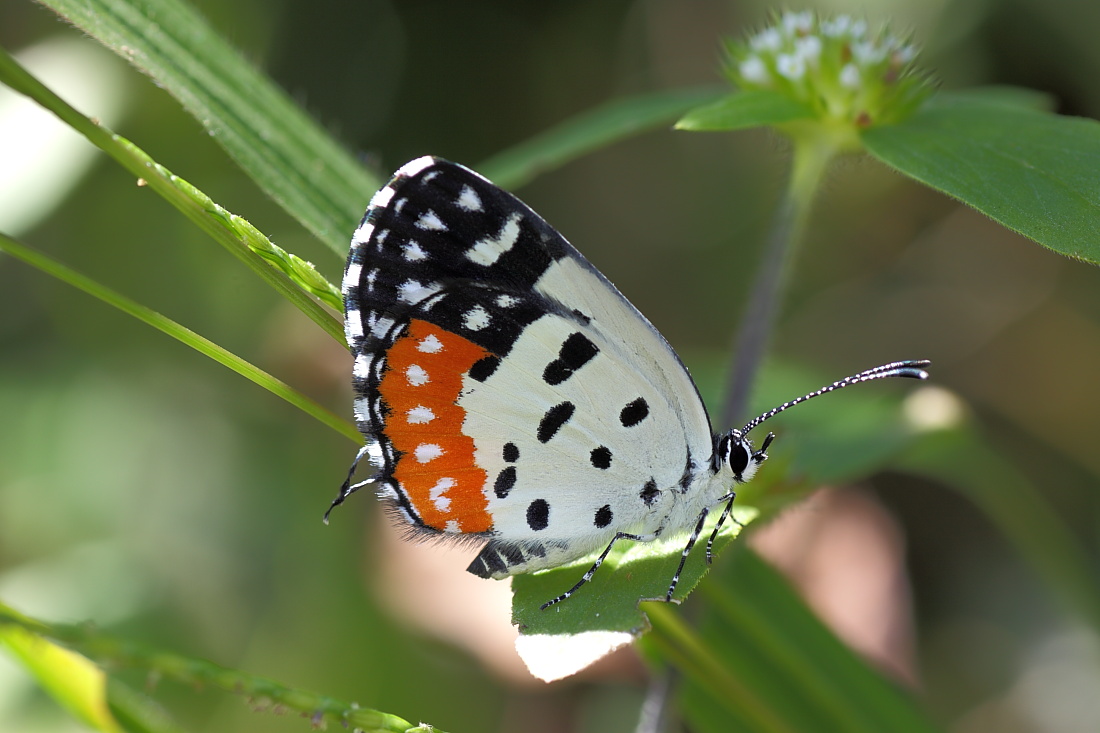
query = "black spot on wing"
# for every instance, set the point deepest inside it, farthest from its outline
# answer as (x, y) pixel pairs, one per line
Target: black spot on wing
(603, 516)
(483, 368)
(554, 418)
(634, 412)
(650, 493)
(538, 514)
(601, 457)
(576, 351)
(505, 481)
(688, 474)
(510, 453)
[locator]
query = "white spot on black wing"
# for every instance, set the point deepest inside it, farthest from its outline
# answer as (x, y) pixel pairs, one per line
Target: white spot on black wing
(476, 318)
(468, 200)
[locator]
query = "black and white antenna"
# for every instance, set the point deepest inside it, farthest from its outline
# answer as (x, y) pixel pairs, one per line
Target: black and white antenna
(911, 369)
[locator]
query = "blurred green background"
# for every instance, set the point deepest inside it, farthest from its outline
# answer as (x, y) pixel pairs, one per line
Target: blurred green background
(152, 492)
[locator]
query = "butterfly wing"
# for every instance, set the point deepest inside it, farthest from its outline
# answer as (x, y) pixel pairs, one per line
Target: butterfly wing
(506, 389)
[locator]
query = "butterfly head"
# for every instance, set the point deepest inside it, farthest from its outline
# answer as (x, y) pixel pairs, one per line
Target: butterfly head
(734, 449)
(735, 452)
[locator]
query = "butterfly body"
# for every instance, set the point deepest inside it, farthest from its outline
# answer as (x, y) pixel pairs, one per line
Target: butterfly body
(509, 393)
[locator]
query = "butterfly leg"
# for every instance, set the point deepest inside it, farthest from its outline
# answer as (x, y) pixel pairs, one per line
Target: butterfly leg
(687, 551)
(347, 488)
(599, 561)
(728, 498)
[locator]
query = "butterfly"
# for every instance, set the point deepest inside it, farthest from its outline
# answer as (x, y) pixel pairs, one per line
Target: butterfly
(509, 393)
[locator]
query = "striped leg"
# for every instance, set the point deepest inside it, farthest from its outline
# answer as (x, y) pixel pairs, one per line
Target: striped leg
(684, 555)
(728, 498)
(347, 488)
(599, 561)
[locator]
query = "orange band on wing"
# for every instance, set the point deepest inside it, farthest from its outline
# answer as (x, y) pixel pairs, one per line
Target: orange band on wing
(436, 470)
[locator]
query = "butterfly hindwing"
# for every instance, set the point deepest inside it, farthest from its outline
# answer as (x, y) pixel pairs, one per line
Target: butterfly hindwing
(507, 390)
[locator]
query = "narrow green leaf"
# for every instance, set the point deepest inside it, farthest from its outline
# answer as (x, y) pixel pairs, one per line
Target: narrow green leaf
(321, 710)
(742, 110)
(77, 684)
(591, 130)
(180, 333)
(960, 460)
(1009, 96)
(1034, 173)
(280, 147)
(785, 661)
(291, 276)
(136, 712)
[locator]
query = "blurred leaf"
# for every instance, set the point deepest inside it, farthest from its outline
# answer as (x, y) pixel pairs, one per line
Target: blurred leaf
(997, 94)
(1034, 173)
(783, 670)
(72, 680)
(742, 110)
(137, 712)
(180, 333)
(591, 130)
(320, 709)
(280, 147)
(961, 460)
(291, 277)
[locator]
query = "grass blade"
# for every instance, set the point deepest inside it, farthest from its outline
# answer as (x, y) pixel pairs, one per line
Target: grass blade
(180, 333)
(280, 147)
(588, 131)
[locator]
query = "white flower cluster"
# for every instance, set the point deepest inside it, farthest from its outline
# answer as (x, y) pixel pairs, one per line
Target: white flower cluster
(829, 63)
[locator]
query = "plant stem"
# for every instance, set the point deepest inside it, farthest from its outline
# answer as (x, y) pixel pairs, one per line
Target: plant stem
(811, 156)
(179, 332)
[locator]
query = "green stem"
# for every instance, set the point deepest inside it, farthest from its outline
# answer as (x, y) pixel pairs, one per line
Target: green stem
(811, 157)
(687, 652)
(107, 651)
(180, 333)
(289, 275)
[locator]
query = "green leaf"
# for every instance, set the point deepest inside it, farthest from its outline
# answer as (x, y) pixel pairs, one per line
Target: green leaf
(77, 684)
(1009, 96)
(783, 670)
(1034, 173)
(281, 148)
(588, 131)
(961, 460)
(180, 333)
(292, 277)
(320, 709)
(738, 111)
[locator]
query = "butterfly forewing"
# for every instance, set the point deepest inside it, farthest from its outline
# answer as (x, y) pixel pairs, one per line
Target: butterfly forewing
(507, 389)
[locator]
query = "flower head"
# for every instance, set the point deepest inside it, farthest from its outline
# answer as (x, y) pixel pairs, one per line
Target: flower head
(841, 69)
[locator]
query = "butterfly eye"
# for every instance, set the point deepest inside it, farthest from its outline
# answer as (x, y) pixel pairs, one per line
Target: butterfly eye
(735, 452)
